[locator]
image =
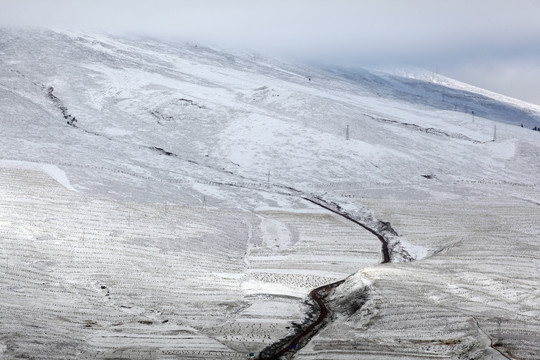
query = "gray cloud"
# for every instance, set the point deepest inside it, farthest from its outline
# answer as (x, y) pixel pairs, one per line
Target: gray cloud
(516, 77)
(453, 35)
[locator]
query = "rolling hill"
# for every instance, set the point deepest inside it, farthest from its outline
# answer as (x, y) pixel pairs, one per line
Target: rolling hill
(156, 203)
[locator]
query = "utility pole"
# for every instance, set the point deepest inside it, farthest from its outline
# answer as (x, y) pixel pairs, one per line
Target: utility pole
(494, 132)
(204, 201)
(347, 133)
(268, 181)
(472, 113)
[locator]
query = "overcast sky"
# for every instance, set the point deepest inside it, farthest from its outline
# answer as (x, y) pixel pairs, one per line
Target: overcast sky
(493, 44)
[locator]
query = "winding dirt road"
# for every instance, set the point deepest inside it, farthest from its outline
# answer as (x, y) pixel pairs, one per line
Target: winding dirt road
(385, 252)
(291, 345)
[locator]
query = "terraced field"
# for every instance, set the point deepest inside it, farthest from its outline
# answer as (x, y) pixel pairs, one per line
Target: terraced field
(111, 275)
(145, 280)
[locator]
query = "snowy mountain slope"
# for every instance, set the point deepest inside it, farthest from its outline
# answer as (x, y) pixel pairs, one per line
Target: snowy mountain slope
(442, 93)
(190, 164)
(236, 115)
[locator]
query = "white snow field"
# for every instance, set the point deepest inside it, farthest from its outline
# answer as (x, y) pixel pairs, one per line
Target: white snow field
(152, 206)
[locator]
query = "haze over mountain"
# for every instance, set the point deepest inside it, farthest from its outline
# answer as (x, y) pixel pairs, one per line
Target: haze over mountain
(159, 200)
(491, 44)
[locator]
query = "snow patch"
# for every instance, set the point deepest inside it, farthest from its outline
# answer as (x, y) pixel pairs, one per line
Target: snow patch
(270, 309)
(208, 190)
(276, 234)
(503, 149)
(230, 276)
(306, 211)
(52, 170)
(416, 251)
(255, 287)
(112, 131)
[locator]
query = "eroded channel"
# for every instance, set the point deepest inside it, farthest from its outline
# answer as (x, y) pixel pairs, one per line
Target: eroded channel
(319, 314)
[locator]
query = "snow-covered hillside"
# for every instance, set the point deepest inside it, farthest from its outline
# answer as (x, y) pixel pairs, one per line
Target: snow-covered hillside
(154, 205)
